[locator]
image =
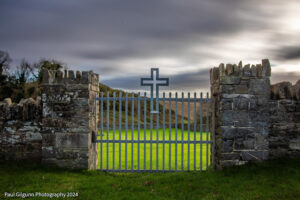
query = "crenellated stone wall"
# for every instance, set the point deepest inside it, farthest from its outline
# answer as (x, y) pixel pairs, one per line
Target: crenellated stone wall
(68, 118)
(254, 120)
(242, 96)
(284, 136)
(57, 128)
(20, 125)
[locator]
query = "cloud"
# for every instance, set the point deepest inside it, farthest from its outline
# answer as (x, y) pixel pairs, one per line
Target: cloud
(120, 39)
(191, 81)
(106, 54)
(288, 52)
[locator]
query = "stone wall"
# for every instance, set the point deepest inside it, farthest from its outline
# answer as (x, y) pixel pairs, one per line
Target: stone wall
(68, 118)
(242, 112)
(20, 124)
(57, 128)
(254, 120)
(284, 136)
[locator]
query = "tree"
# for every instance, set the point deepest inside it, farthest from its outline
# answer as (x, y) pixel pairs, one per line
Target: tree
(25, 80)
(4, 61)
(37, 68)
(5, 89)
(23, 72)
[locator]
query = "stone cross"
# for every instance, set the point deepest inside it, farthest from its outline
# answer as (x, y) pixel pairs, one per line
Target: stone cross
(154, 81)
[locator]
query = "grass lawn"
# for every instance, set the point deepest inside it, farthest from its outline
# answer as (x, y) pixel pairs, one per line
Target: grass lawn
(199, 157)
(279, 179)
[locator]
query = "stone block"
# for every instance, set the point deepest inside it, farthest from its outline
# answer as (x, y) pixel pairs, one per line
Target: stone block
(296, 116)
(48, 152)
(258, 116)
(85, 77)
(45, 76)
(59, 76)
(227, 146)
(247, 70)
(228, 89)
(254, 155)
(259, 70)
(261, 142)
(241, 89)
(214, 75)
(222, 70)
(266, 68)
(226, 105)
(229, 69)
(214, 89)
(72, 154)
(230, 156)
(71, 140)
(296, 91)
(228, 132)
(245, 132)
(230, 80)
(281, 90)
(244, 143)
(236, 70)
(259, 87)
(235, 118)
(242, 103)
(49, 139)
(294, 144)
(240, 65)
(231, 96)
(33, 136)
(71, 75)
(254, 71)
(297, 106)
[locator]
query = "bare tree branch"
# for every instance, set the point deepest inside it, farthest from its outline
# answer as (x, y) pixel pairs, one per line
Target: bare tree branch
(4, 61)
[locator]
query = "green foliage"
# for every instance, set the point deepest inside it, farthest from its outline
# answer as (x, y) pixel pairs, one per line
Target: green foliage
(11, 87)
(50, 65)
(5, 61)
(30, 91)
(279, 179)
(47, 64)
(18, 86)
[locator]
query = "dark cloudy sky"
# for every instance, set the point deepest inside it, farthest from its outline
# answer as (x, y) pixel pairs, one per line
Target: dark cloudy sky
(122, 39)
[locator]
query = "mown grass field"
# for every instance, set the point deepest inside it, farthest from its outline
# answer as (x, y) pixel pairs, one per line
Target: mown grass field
(271, 180)
(199, 154)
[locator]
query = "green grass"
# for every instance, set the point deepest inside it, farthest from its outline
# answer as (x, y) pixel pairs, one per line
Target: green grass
(272, 180)
(113, 150)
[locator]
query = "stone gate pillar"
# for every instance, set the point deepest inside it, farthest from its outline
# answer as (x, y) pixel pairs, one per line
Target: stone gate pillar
(69, 118)
(242, 114)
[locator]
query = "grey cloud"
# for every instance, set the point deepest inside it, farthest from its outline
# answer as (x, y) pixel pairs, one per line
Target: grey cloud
(191, 81)
(133, 25)
(109, 35)
(194, 80)
(106, 54)
(288, 52)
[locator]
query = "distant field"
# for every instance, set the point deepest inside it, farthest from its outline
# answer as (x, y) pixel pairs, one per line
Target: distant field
(173, 109)
(185, 109)
(160, 148)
